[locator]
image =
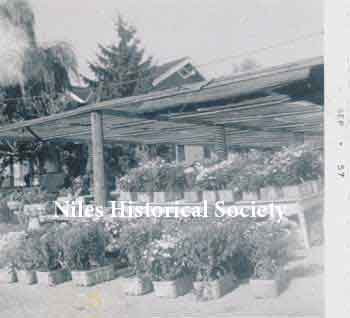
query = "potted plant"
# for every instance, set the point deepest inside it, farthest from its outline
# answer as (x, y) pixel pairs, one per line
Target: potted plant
(25, 263)
(292, 191)
(306, 188)
(143, 180)
(226, 195)
(35, 201)
(191, 191)
(192, 196)
(210, 196)
(14, 201)
(206, 181)
(271, 193)
(165, 261)
(267, 250)
(267, 279)
(210, 248)
(9, 245)
(162, 183)
(145, 197)
(127, 186)
(84, 254)
(8, 275)
(46, 255)
(249, 181)
(65, 195)
(251, 195)
(134, 240)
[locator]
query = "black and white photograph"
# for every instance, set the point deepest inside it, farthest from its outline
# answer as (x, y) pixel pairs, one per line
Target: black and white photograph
(162, 158)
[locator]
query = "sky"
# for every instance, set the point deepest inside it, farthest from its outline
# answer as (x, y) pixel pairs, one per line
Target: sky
(205, 30)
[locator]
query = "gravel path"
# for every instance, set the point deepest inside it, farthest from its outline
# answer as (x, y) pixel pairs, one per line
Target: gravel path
(303, 297)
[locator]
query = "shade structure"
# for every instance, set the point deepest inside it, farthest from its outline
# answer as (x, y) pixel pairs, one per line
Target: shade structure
(264, 108)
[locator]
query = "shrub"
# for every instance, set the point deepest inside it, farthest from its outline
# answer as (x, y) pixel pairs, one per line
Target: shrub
(165, 259)
(83, 246)
(265, 245)
(134, 240)
(34, 196)
(38, 251)
(6, 216)
(154, 176)
(293, 165)
(9, 243)
(15, 195)
(211, 245)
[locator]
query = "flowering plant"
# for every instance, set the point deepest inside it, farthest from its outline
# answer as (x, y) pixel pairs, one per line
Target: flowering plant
(113, 229)
(83, 246)
(34, 196)
(155, 175)
(15, 195)
(37, 251)
(134, 239)
(165, 258)
(9, 243)
(266, 246)
(294, 165)
(210, 247)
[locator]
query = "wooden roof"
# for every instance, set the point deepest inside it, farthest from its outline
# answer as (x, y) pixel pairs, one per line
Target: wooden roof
(261, 108)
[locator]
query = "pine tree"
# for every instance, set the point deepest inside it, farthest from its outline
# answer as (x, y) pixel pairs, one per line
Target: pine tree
(121, 69)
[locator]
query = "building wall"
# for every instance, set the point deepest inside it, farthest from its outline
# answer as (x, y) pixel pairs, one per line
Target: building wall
(193, 153)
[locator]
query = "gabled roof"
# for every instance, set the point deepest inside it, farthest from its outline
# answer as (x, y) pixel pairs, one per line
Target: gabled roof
(161, 69)
(164, 71)
(84, 93)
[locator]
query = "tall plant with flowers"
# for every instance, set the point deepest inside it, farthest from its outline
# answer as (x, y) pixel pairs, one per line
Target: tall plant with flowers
(165, 258)
(134, 240)
(266, 246)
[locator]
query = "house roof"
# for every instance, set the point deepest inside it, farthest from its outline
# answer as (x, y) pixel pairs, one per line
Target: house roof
(262, 108)
(164, 71)
(161, 69)
(84, 93)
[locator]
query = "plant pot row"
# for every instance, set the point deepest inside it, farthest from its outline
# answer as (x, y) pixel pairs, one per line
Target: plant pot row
(266, 193)
(204, 290)
(188, 196)
(30, 277)
(148, 197)
(52, 278)
(215, 289)
(135, 286)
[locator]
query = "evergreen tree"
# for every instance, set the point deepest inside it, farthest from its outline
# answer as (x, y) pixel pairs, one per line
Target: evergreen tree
(121, 69)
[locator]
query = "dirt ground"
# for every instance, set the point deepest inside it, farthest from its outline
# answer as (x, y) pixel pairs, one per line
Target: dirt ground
(303, 297)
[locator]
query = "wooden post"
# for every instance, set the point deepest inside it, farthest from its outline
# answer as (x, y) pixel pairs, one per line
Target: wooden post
(177, 155)
(220, 142)
(88, 169)
(100, 191)
(12, 173)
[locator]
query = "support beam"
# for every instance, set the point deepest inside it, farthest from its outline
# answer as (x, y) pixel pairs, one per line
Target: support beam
(12, 173)
(99, 181)
(220, 142)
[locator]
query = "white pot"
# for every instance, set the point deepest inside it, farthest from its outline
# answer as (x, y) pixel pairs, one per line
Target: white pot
(174, 288)
(137, 286)
(93, 277)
